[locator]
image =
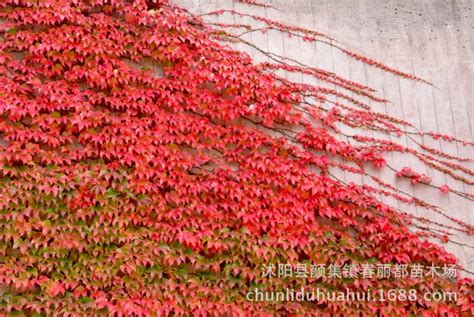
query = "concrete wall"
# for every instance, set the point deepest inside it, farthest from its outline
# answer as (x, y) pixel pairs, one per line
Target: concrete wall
(432, 39)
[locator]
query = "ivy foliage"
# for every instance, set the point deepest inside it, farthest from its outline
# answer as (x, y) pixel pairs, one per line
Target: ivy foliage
(130, 189)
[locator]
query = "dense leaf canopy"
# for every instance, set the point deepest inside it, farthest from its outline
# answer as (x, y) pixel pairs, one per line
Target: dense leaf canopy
(134, 180)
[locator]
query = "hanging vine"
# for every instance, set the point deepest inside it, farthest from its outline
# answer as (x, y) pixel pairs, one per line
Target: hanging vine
(134, 189)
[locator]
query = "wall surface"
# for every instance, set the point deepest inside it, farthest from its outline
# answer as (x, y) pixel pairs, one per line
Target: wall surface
(432, 39)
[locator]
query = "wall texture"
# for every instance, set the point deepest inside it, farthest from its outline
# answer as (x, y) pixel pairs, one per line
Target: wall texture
(432, 39)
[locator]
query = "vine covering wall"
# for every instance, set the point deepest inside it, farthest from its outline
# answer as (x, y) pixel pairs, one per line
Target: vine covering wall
(131, 191)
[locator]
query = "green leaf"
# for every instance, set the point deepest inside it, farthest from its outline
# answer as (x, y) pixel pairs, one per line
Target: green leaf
(112, 192)
(181, 271)
(207, 275)
(244, 230)
(85, 300)
(49, 210)
(164, 246)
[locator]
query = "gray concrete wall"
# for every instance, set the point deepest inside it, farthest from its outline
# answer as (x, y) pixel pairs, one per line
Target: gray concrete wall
(432, 39)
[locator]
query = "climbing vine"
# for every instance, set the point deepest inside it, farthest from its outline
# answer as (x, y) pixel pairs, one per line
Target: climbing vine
(148, 168)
